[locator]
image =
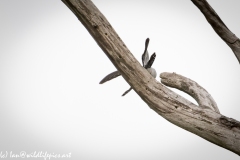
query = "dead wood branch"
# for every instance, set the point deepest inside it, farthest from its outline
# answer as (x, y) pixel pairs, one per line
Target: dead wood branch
(219, 27)
(203, 98)
(205, 123)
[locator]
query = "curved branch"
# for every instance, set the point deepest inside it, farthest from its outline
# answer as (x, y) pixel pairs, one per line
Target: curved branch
(205, 123)
(203, 98)
(220, 28)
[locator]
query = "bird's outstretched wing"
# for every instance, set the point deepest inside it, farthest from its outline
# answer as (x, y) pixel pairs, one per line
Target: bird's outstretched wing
(127, 91)
(150, 62)
(145, 56)
(110, 77)
(147, 63)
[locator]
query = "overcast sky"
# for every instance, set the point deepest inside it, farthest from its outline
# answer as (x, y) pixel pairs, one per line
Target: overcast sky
(50, 67)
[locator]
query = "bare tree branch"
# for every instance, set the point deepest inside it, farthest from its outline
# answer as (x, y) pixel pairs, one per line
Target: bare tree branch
(203, 98)
(220, 28)
(206, 123)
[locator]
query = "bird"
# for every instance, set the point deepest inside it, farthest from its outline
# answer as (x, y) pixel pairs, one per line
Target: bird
(146, 62)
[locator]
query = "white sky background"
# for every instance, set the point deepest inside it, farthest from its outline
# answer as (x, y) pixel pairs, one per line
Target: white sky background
(50, 67)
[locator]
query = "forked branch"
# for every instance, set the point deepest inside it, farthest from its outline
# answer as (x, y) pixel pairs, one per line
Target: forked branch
(206, 123)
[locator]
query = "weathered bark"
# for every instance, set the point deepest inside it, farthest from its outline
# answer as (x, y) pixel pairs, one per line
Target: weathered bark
(203, 98)
(202, 121)
(220, 28)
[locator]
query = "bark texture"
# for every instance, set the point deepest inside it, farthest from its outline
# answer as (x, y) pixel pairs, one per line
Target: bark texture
(219, 27)
(204, 122)
(203, 98)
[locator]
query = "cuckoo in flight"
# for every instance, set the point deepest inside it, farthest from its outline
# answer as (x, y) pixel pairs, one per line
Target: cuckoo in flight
(147, 63)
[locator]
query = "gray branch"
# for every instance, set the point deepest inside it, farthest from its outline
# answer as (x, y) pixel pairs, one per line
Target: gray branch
(219, 27)
(203, 98)
(206, 123)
